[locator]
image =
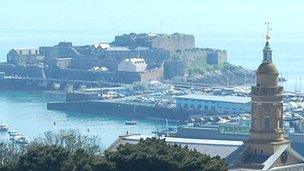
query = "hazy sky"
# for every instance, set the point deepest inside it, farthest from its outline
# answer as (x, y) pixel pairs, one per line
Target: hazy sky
(143, 14)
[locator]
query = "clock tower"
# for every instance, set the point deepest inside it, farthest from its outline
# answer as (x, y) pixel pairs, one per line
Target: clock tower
(267, 147)
(267, 131)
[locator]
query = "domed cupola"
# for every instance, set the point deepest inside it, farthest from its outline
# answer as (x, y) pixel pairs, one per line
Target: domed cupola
(267, 73)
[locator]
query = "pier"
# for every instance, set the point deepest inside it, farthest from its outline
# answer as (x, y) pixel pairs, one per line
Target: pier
(133, 110)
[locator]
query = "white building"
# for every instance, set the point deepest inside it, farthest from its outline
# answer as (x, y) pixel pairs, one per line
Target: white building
(132, 65)
(215, 104)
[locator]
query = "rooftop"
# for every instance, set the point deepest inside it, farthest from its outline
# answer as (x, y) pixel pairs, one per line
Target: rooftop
(222, 148)
(26, 51)
(117, 49)
(229, 99)
(102, 45)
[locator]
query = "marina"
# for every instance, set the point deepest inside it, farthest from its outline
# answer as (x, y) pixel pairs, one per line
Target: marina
(26, 113)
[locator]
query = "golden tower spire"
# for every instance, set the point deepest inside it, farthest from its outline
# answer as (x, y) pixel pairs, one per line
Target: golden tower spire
(267, 52)
(268, 31)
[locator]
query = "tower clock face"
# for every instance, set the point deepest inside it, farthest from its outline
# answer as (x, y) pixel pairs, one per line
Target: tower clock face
(284, 157)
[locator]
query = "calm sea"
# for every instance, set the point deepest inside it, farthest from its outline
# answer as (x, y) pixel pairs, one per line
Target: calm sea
(26, 112)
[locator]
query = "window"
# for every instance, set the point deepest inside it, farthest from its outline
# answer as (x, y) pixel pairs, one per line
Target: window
(206, 107)
(280, 124)
(267, 123)
(255, 123)
(199, 106)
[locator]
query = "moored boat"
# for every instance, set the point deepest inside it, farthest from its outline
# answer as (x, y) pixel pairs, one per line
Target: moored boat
(19, 139)
(132, 122)
(3, 128)
(14, 133)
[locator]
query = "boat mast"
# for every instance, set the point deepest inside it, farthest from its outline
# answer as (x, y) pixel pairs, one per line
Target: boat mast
(227, 83)
(245, 79)
(167, 128)
(300, 84)
(296, 85)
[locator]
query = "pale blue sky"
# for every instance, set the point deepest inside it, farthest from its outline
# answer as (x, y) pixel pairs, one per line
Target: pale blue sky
(147, 15)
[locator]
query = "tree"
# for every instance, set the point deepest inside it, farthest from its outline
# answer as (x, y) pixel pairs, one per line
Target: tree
(70, 140)
(66, 150)
(156, 154)
(9, 154)
(69, 150)
(52, 158)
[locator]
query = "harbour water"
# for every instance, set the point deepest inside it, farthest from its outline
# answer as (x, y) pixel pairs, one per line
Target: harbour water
(214, 23)
(26, 112)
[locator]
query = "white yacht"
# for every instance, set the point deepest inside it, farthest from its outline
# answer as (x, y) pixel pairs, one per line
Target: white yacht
(3, 127)
(14, 133)
(19, 139)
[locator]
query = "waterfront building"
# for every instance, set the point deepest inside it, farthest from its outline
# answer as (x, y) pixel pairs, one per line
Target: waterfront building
(96, 47)
(237, 130)
(214, 104)
(63, 63)
(118, 53)
(132, 65)
(213, 132)
(242, 127)
(24, 56)
(227, 150)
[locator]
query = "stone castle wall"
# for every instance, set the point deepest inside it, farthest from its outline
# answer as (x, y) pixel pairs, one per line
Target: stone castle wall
(201, 55)
(174, 42)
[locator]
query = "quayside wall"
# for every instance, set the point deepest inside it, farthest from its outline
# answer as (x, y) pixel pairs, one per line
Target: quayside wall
(123, 109)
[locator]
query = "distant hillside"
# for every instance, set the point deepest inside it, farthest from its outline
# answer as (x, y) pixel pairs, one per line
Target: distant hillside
(198, 70)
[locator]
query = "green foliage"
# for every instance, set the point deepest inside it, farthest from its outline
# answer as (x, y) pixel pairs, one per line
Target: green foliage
(68, 150)
(9, 154)
(39, 157)
(156, 154)
(44, 157)
(71, 140)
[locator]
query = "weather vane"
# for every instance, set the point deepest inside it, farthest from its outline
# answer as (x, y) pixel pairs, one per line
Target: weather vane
(268, 31)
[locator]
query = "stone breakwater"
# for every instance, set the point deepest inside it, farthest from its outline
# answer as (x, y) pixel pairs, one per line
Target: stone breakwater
(123, 109)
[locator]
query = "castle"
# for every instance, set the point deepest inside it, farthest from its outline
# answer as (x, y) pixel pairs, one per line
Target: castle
(101, 60)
